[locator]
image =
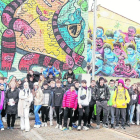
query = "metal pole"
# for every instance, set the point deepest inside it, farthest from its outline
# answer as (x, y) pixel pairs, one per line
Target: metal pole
(94, 39)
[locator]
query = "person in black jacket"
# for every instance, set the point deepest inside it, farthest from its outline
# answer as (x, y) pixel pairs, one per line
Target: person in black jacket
(102, 96)
(46, 103)
(57, 103)
(11, 99)
(70, 82)
(33, 74)
(92, 102)
(69, 74)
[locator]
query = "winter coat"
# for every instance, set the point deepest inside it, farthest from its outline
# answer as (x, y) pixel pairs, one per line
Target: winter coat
(47, 97)
(36, 76)
(51, 70)
(69, 75)
(112, 91)
(12, 95)
(25, 99)
(70, 99)
(93, 96)
(38, 97)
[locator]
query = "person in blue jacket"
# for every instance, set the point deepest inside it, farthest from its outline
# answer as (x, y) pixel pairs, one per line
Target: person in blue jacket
(50, 69)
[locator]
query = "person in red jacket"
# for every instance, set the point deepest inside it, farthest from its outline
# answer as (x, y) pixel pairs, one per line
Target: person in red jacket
(69, 104)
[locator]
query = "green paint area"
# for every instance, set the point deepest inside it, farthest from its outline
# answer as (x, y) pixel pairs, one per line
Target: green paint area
(80, 48)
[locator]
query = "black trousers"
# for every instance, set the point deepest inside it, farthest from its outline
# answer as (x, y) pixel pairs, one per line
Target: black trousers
(59, 110)
(3, 113)
(121, 111)
(76, 115)
(68, 112)
(83, 111)
(91, 109)
(45, 113)
(128, 113)
(9, 122)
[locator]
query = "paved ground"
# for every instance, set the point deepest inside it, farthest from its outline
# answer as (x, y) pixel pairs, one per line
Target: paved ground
(50, 133)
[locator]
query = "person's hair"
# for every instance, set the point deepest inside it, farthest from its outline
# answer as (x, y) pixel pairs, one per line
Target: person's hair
(117, 44)
(50, 64)
(131, 27)
(93, 81)
(111, 81)
(12, 83)
(131, 46)
(58, 82)
(40, 82)
(105, 80)
(106, 45)
(26, 83)
(30, 70)
(127, 79)
(84, 81)
(117, 80)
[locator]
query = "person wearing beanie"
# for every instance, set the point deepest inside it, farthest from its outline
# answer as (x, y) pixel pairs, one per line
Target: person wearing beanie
(120, 100)
(64, 84)
(70, 105)
(102, 96)
(46, 103)
(58, 93)
(38, 101)
(84, 97)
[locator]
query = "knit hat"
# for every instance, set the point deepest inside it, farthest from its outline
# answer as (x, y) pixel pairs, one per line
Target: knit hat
(36, 84)
(65, 80)
(122, 82)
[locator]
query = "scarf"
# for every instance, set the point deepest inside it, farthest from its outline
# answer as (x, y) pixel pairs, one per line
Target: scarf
(2, 100)
(85, 88)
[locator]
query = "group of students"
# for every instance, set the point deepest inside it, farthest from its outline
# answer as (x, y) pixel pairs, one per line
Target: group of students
(68, 98)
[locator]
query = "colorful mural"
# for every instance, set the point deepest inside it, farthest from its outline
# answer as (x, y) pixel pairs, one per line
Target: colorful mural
(36, 32)
(117, 45)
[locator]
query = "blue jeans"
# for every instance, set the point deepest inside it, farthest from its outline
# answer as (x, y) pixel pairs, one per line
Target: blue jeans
(36, 109)
(132, 108)
(1, 124)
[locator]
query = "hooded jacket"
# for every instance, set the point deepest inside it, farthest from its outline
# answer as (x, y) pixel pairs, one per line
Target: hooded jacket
(69, 75)
(93, 96)
(112, 91)
(38, 97)
(47, 97)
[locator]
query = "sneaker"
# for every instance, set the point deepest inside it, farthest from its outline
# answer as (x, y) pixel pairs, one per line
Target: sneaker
(79, 128)
(74, 125)
(112, 126)
(90, 126)
(122, 127)
(60, 127)
(64, 129)
(117, 126)
(105, 126)
(12, 128)
(8, 128)
(57, 126)
(98, 127)
(37, 126)
(2, 129)
(3, 119)
(132, 123)
(85, 128)
(138, 123)
(27, 130)
(45, 124)
(70, 128)
(51, 123)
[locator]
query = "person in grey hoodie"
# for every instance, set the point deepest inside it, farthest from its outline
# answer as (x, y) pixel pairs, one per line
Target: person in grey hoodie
(84, 97)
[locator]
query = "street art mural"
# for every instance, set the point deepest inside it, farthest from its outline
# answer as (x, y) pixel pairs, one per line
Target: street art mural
(36, 32)
(117, 50)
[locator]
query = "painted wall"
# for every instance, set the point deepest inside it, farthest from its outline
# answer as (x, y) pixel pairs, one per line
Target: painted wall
(36, 32)
(117, 45)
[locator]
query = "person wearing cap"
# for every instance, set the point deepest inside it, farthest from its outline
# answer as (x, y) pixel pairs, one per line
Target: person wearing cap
(25, 99)
(50, 69)
(102, 96)
(70, 105)
(120, 100)
(70, 73)
(84, 97)
(38, 101)
(58, 93)
(46, 103)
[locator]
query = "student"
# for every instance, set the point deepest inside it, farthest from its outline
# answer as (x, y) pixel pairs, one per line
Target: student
(31, 83)
(33, 74)
(102, 96)
(41, 81)
(69, 83)
(46, 103)
(25, 99)
(111, 109)
(69, 74)
(50, 77)
(2, 106)
(57, 103)
(38, 100)
(70, 105)
(120, 100)
(92, 102)
(11, 99)
(138, 106)
(84, 97)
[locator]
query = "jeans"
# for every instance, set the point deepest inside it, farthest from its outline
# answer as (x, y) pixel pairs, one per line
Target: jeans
(9, 120)
(68, 112)
(123, 115)
(36, 109)
(99, 106)
(111, 110)
(132, 108)
(58, 110)
(84, 109)
(138, 113)
(1, 124)
(45, 112)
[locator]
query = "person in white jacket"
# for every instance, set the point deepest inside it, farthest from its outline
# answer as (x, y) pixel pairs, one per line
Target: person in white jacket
(25, 99)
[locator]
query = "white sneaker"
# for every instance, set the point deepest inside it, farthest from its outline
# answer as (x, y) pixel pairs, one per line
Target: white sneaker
(85, 128)
(60, 127)
(57, 126)
(132, 123)
(79, 128)
(27, 130)
(37, 126)
(138, 123)
(51, 123)
(45, 124)
(2, 129)
(3, 119)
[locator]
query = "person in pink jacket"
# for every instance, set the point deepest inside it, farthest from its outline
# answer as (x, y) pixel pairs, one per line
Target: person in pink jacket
(69, 104)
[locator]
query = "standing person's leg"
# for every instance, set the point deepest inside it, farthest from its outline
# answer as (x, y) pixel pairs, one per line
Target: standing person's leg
(117, 116)
(138, 114)
(112, 115)
(86, 115)
(98, 111)
(1, 124)
(75, 117)
(105, 111)
(43, 114)
(13, 120)
(51, 115)
(37, 120)
(132, 108)
(3, 114)
(60, 116)
(91, 108)
(57, 114)
(46, 113)
(123, 116)
(65, 117)
(71, 118)
(127, 115)
(27, 122)
(22, 123)
(80, 110)
(8, 121)
(108, 113)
